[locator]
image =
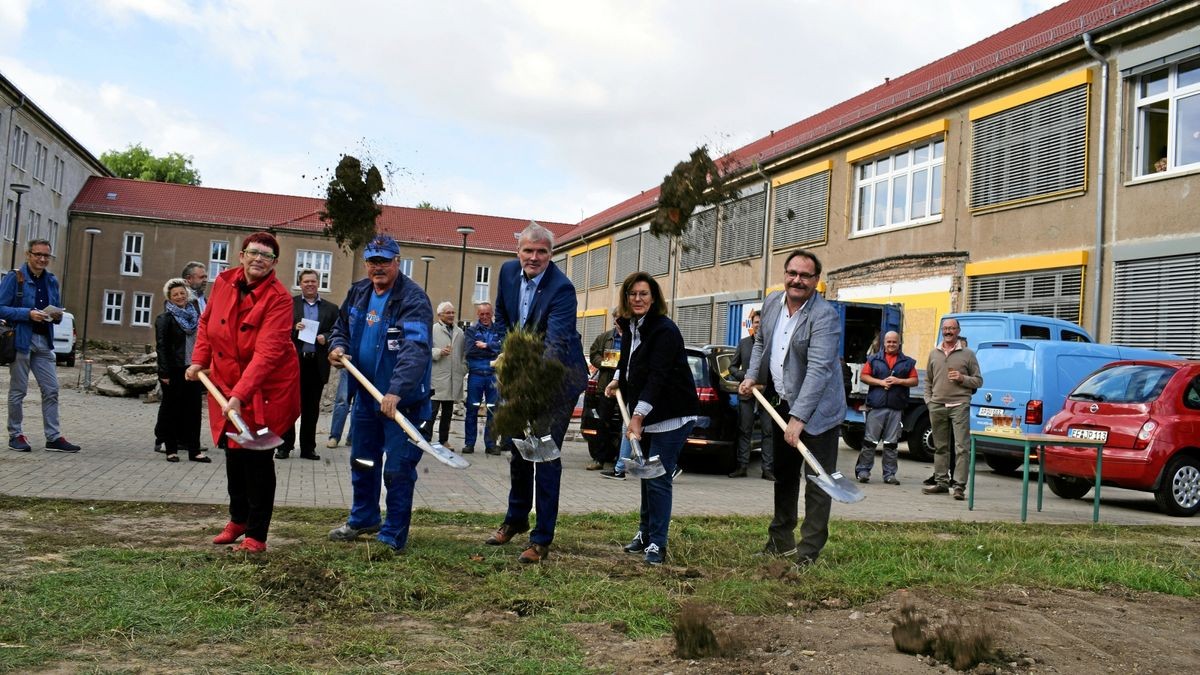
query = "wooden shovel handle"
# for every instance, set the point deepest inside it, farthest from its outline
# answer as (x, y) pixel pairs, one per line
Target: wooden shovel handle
(222, 401)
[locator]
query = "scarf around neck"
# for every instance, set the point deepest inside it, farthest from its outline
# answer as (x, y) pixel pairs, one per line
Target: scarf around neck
(187, 317)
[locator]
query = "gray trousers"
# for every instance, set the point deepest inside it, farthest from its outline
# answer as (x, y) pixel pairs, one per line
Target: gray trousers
(943, 419)
(748, 411)
(883, 424)
(39, 359)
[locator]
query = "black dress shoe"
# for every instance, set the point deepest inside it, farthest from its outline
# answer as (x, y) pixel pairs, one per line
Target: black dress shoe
(310, 455)
(280, 453)
(203, 459)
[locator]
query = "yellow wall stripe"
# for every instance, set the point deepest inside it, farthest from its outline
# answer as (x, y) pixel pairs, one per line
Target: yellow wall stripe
(592, 312)
(896, 140)
(1045, 261)
(804, 172)
(1031, 94)
(578, 250)
(598, 243)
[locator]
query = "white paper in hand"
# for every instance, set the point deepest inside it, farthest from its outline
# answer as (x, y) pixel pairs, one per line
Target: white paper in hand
(309, 332)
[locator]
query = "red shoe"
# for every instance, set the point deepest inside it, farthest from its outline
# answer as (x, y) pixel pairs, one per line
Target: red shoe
(230, 534)
(249, 545)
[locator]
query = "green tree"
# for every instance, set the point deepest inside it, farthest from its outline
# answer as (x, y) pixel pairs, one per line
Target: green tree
(139, 163)
(427, 205)
(350, 203)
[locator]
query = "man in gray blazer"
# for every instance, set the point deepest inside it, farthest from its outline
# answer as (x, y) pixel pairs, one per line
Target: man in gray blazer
(795, 360)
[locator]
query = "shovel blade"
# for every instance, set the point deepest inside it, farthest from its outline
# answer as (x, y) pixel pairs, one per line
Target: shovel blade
(265, 439)
(838, 487)
(447, 456)
(537, 448)
(651, 469)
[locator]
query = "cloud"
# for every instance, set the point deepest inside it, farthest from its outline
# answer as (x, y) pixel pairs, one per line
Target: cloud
(495, 106)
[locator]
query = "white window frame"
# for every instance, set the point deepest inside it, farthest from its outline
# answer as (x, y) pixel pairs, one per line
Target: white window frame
(880, 173)
(52, 232)
(131, 254)
(114, 307)
(40, 153)
(321, 261)
(18, 147)
(33, 227)
(483, 285)
(1149, 105)
(9, 208)
(60, 170)
(218, 257)
(406, 267)
(143, 304)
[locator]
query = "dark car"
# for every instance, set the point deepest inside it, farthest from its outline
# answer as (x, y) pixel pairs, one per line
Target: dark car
(1148, 415)
(712, 445)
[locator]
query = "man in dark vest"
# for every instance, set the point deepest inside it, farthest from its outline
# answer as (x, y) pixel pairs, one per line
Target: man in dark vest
(311, 311)
(889, 374)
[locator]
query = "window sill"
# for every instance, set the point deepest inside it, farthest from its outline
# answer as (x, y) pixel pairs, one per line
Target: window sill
(893, 228)
(1162, 175)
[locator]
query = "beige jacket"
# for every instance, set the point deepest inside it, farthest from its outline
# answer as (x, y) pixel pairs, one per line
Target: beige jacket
(449, 371)
(939, 388)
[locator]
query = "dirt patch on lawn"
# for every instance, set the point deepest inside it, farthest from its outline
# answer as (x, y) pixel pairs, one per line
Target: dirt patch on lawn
(1034, 631)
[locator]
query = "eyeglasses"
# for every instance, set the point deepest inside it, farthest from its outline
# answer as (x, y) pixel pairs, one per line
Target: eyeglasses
(638, 294)
(379, 262)
(42, 256)
(255, 253)
(804, 276)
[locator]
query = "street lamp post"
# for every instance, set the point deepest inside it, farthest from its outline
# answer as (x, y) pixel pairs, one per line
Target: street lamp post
(427, 259)
(91, 232)
(465, 231)
(20, 189)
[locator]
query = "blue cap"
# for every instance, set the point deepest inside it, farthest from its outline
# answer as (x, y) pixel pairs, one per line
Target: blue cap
(382, 246)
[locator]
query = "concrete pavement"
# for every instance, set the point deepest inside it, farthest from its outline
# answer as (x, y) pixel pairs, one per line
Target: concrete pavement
(118, 463)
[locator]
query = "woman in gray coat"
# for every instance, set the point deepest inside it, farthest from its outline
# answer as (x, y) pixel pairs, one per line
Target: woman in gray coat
(449, 369)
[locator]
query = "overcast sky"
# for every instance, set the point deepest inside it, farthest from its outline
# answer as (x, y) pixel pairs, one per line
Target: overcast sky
(548, 109)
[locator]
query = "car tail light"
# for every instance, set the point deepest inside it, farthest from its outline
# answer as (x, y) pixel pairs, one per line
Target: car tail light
(1144, 435)
(707, 394)
(1033, 413)
(591, 386)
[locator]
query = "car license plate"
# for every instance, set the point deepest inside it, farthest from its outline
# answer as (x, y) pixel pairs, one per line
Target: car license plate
(990, 412)
(1089, 434)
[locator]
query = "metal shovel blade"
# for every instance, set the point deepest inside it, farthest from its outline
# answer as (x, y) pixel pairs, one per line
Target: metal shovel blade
(537, 448)
(640, 467)
(838, 487)
(263, 439)
(447, 456)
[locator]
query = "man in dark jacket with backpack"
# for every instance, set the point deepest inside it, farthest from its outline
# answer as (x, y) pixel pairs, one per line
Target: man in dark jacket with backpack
(889, 374)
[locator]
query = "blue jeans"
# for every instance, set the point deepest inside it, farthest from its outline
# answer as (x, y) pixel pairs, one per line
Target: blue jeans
(382, 441)
(39, 359)
(341, 408)
(526, 477)
(626, 450)
(657, 492)
(480, 388)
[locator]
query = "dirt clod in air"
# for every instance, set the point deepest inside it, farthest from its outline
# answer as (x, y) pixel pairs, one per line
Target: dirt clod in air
(696, 637)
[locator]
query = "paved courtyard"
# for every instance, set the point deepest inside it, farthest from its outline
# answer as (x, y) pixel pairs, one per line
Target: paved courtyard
(118, 463)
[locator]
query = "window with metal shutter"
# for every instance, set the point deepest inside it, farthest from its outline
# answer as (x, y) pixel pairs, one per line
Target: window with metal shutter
(801, 212)
(592, 326)
(695, 323)
(598, 274)
(628, 251)
(656, 255)
(560, 261)
(699, 241)
(742, 235)
(1032, 150)
(578, 271)
(719, 327)
(1156, 304)
(1055, 293)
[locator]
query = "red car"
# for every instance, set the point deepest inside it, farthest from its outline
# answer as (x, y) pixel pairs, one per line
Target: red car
(1148, 415)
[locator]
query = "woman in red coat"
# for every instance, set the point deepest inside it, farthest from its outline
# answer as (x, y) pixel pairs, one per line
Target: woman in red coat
(245, 342)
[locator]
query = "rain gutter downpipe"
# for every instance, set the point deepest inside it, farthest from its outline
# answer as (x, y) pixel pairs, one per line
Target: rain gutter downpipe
(766, 230)
(1101, 182)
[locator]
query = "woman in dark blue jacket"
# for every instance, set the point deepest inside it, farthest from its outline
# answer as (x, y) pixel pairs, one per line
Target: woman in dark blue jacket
(655, 379)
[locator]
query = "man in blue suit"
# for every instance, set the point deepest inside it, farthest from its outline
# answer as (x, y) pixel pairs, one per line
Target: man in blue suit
(535, 295)
(795, 356)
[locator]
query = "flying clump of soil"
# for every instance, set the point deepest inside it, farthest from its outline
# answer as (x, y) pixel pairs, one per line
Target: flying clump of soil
(695, 182)
(530, 384)
(697, 638)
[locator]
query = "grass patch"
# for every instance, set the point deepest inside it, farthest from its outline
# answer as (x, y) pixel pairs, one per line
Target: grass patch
(97, 583)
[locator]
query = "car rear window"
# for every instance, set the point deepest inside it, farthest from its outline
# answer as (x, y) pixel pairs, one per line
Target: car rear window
(1124, 384)
(699, 369)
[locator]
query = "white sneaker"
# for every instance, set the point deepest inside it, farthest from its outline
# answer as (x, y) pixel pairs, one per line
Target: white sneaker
(331, 443)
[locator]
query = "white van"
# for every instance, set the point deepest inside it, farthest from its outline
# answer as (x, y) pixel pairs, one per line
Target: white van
(64, 340)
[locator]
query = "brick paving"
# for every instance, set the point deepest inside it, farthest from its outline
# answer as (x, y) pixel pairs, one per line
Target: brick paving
(118, 463)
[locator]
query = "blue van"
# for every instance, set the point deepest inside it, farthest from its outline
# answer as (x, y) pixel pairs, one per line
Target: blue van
(980, 327)
(1030, 380)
